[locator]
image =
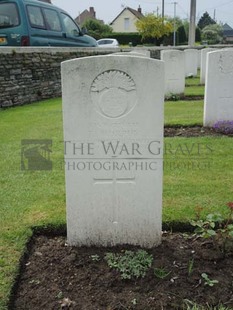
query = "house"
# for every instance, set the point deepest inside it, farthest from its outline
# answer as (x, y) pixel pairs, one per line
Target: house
(125, 21)
(91, 14)
(227, 34)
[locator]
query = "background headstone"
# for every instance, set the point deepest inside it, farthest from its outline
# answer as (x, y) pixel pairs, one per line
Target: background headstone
(204, 52)
(174, 71)
(113, 133)
(199, 59)
(218, 104)
(132, 53)
(191, 56)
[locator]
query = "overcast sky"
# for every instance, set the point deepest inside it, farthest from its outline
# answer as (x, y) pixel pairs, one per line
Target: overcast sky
(107, 10)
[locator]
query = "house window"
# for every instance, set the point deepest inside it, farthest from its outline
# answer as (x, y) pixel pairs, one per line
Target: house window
(126, 23)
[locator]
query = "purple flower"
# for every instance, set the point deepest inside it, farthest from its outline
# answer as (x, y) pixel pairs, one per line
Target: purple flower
(225, 127)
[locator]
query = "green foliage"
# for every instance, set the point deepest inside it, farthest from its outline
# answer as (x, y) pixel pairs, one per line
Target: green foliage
(151, 26)
(189, 305)
(173, 97)
(161, 273)
(198, 34)
(213, 34)
(208, 281)
(205, 228)
(177, 22)
(96, 28)
(190, 266)
(125, 37)
(181, 35)
(214, 227)
(95, 258)
(205, 20)
(130, 264)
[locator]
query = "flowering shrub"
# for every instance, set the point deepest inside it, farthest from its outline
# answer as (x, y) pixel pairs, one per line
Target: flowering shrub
(225, 127)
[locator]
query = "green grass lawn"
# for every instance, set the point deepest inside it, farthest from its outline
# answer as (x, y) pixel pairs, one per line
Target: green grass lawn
(197, 172)
(193, 81)
(186, 113)
(195, 91)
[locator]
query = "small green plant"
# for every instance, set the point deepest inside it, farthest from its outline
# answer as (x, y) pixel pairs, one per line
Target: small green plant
(60, 295)
(134, 301)
(190, 266)
(214, 227)
(130, 264)
(173, 97)
(161, 273)
(205, 228)
(189, 305)
(208, 281)
(95, 257)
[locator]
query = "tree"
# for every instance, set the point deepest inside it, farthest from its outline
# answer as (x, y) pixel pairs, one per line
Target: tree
(205, 20)
(96, 28)
(181, 35)
(151, 26)
(212, 34)
(175, 21)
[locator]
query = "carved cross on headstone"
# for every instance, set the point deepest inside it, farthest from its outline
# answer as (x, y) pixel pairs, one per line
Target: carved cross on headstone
(114, 182)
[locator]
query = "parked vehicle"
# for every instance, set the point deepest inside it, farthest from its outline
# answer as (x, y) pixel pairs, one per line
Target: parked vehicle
(108, 43)
(36, 23)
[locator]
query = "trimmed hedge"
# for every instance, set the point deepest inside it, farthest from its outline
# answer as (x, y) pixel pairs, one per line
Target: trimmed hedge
(125, 38)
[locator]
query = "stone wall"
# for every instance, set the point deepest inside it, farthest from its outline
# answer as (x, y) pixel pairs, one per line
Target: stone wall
(32, 74)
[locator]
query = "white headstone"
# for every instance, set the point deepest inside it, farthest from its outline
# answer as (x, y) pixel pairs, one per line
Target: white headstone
(113, 133)
(132, 53)
(198, 59)
(204, 52)
(141, 51)
(174, 71)
(191, 56)
(219, 87)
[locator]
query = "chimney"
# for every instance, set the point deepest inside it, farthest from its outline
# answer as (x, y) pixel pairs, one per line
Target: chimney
(92, 11)
(139, 10)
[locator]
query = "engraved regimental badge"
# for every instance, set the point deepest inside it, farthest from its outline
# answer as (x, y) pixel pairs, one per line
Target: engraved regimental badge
(114, 94)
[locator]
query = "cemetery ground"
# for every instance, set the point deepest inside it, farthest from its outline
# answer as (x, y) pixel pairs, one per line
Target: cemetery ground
(197, 175)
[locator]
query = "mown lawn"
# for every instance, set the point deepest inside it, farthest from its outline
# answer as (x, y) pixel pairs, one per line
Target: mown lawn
(197, 172)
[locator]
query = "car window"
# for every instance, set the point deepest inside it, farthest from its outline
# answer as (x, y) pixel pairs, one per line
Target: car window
(9, 16)
(70, 27)
(52, 20)
(35, 16)
(108, 41)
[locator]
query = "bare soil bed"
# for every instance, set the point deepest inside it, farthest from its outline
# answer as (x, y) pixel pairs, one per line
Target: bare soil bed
(56, 276)
(194, 131)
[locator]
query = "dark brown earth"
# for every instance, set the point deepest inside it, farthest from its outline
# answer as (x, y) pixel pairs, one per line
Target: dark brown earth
(195, 131)
(56, 276)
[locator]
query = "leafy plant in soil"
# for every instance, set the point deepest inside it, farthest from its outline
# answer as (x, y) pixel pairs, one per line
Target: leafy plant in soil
(208, 281)
(215, 228)
(130, 264)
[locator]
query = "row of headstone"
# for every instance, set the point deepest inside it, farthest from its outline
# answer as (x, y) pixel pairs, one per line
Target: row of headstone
(113, 140)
